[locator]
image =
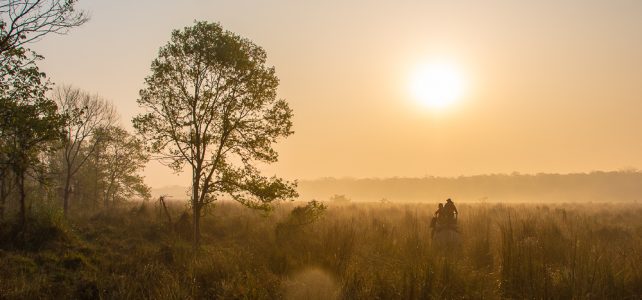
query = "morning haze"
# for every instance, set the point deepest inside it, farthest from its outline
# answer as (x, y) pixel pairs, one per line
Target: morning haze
(320, 149)
(551, 86)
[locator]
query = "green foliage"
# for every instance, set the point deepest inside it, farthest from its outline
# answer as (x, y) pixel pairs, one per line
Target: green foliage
(303, 215)
(294, 226)
(210, 103)
(110, 176)
(29, 121)
(45, 226)
(30, 124)
(120, 157)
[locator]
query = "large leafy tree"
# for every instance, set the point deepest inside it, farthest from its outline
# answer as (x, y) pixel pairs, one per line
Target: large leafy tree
(211, 105)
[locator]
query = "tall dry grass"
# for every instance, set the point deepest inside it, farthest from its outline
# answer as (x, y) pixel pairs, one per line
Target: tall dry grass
(354, 251)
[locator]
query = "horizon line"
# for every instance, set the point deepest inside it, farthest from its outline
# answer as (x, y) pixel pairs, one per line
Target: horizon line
(514, 173)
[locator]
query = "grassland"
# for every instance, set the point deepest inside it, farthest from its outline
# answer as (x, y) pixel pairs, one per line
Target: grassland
(354, 251)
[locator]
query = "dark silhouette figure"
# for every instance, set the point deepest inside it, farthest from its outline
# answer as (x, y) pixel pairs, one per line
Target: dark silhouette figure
(437, 217)
(445, 218)
(440, 209)
(450, 211)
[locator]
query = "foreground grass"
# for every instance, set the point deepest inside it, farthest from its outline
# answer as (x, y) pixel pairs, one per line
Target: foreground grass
(355, 251)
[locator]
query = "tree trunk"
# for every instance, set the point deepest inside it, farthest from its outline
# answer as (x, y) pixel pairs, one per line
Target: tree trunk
(20, 180)
(105, 199)
(65, 203)
(196, 210)
(109, 193)
(4, 193)
(2, 203)
(197, 226)
(3, 197)
(96, 174)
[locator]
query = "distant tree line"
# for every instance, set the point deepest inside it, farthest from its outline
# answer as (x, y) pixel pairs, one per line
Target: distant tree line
(619, 186)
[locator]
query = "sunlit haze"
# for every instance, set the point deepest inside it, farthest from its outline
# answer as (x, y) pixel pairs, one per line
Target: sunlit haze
(282, 149)
(401, 88)
(437, 85)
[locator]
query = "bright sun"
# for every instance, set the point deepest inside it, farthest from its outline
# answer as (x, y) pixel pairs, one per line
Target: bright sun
(437, 85)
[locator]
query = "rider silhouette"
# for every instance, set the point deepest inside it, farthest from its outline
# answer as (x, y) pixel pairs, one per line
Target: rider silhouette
(450, 211)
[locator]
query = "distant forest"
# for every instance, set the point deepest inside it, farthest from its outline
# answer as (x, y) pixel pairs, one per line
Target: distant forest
(580, 187)
(618, 186)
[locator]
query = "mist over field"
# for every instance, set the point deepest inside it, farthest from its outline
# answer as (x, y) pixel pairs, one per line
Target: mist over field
(598, 187)
(157, 149)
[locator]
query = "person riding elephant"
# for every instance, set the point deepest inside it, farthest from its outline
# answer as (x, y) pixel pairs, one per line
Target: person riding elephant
(450, 211)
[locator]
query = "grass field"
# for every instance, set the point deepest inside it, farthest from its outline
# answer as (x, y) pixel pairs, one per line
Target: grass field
(353, 251)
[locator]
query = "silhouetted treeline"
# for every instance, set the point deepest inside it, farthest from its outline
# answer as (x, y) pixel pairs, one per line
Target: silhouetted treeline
(90, 163)
(62, 147)
(581, 187)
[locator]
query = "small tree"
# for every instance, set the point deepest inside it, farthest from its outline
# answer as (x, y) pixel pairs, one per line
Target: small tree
(87, 115)
(339, 199)
(120, 158)
(211, 104)
(29, 121)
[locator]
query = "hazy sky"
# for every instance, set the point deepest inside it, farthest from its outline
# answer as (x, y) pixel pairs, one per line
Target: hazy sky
(554, 86)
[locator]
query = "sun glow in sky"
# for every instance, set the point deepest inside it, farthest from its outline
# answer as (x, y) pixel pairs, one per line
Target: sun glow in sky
(526, 86)
(437, 85)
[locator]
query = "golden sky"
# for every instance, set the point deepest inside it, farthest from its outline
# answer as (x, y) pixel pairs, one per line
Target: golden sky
(553, 86)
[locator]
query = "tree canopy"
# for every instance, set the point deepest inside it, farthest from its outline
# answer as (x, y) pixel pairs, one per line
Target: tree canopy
(210, 103)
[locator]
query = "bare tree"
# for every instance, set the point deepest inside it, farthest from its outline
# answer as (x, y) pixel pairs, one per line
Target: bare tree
(25, 21)
(87, 114)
